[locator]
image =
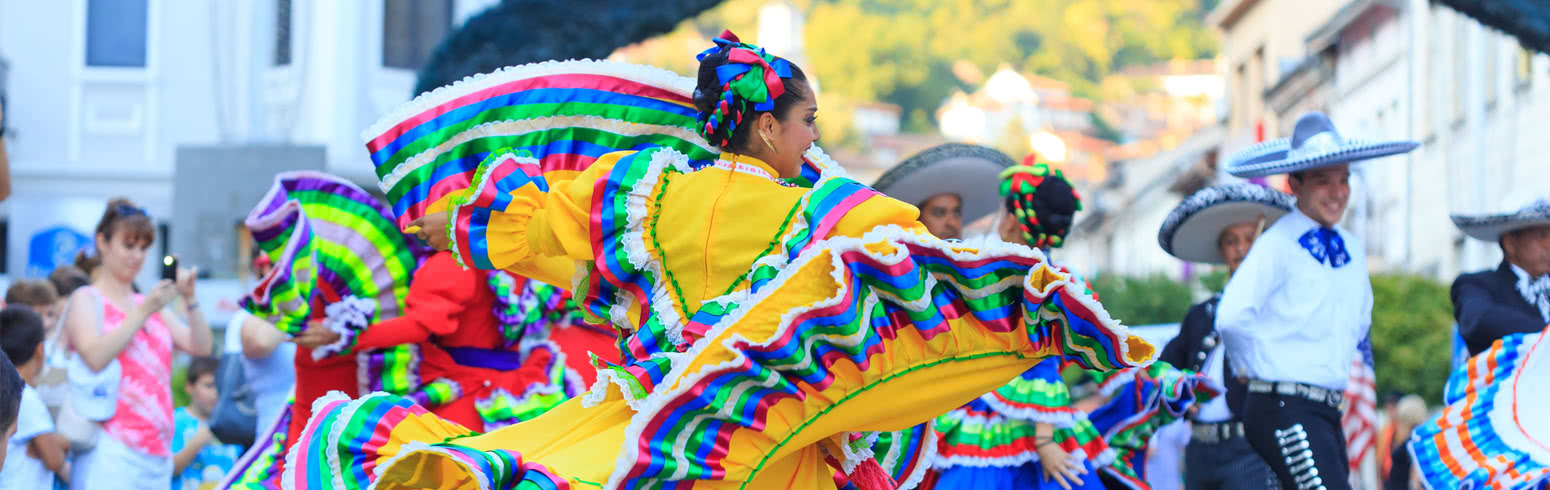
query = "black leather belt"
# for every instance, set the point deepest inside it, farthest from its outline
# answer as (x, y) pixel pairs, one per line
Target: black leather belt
(1300, 390)
(1213, 433)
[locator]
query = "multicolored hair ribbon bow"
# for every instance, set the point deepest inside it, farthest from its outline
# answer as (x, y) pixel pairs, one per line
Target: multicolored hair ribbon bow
(1019, 184)
(739, 90)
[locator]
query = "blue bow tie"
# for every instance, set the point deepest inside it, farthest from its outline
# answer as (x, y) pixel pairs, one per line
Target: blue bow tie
(1326, 246)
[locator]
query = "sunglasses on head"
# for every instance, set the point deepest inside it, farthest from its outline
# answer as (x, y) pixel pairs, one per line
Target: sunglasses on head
(125, 210)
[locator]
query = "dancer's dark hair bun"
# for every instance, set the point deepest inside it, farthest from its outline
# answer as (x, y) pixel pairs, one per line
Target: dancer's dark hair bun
(726, 121)
(1042, 200)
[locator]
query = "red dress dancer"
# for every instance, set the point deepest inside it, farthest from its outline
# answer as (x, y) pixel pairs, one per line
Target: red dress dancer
(371, 311)
(486, 347)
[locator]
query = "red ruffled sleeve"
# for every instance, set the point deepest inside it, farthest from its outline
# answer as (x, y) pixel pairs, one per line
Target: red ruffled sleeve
(441, 291)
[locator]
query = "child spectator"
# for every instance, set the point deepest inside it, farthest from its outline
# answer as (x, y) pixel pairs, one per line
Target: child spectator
(40, 296)
(68, 278)
(40, 452)
(10, 402)
(199, 460)
(53, 383)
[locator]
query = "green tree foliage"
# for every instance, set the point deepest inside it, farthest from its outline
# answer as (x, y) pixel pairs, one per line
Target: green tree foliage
(1214, 280)
(1143, 300)
(1412, 339)
(526, 31)
(900, 51)
(1412, 318)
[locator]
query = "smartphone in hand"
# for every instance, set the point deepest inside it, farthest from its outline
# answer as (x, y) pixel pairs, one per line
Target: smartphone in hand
(169, 268)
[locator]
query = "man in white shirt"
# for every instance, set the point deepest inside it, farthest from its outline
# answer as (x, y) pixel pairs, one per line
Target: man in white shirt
(1217, 225)
(1293, 314)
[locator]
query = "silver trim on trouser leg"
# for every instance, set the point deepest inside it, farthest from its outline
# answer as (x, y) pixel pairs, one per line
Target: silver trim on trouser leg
(1298, 455)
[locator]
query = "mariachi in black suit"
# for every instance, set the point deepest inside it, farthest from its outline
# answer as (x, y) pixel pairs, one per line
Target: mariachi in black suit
(1219, 462)
(1197, 336)
(1488, 306)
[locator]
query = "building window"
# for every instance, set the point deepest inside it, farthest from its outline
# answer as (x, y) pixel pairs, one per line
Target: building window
(282, 33)
(411, 29)
(115, 33)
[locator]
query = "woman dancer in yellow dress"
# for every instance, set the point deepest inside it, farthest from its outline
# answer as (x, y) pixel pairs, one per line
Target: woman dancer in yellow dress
(765, 323)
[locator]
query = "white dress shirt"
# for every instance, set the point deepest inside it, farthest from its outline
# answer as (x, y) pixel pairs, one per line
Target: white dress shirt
(1529, 288)
(1285, 316)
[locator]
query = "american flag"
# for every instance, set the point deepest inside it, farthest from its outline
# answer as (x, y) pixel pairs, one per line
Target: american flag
(1360, 416)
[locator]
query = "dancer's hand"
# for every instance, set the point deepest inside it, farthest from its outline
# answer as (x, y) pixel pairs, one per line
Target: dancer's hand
(316, 335)
(432, 228)
(1058, 465)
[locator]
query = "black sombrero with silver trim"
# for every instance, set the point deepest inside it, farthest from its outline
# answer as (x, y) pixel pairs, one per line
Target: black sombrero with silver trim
(1314, 143)
(971, 171)
(1491, 227)
(1191, 231)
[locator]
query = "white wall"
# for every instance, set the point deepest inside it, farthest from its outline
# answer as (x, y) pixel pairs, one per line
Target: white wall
(1457, 72)
(92, 133)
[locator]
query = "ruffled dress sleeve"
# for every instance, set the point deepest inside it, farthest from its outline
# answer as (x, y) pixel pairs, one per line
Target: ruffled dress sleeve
(437, 297)
(514, 214)
(1141, 401)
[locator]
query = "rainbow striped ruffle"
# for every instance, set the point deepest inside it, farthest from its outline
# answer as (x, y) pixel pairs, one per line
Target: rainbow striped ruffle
(502, 408)
(1037, 395)
(996, 430)
(562, 114)
(529, 309)
(907, 454)
(261, 466)
(1144, 400)
(364, 425)
(724, 385)
(884, 289)
(329, 240)
(393, 370)
(979, 436)
(1493, 432)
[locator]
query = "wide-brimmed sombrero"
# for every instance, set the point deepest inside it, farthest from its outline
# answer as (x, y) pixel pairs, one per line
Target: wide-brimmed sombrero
(1314, 144)
(970, 171)
(1191, 231)
(1491, 227)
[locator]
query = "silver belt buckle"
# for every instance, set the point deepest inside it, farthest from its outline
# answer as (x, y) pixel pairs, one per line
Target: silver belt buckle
(1287, 388)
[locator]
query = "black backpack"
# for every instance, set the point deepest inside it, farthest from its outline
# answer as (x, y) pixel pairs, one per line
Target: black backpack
(235, 416)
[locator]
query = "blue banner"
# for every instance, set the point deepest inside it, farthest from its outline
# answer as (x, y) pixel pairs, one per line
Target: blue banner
(52, 248)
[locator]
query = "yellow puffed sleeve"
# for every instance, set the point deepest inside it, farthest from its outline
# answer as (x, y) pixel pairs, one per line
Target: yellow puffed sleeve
(879, 211)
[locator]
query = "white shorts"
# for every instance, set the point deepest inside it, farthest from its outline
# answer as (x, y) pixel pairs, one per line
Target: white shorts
(112, 465)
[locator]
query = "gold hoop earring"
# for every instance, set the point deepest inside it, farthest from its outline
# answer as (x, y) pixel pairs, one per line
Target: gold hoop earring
(766, 138)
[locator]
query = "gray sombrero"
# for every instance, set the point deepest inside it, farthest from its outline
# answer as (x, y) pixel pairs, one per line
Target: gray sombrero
(1491, 227)
(1191, 231)
(1314, 143)
(972, 172)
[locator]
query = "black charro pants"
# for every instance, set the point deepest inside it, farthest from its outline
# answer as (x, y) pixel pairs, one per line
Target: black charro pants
(1225, 465)
(1300, 439)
